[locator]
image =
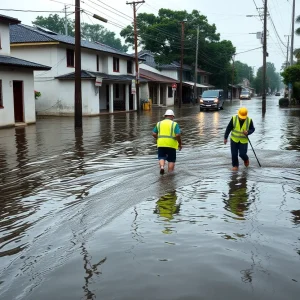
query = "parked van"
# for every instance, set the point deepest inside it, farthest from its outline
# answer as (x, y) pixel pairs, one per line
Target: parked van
(212, 99)
(245, 95)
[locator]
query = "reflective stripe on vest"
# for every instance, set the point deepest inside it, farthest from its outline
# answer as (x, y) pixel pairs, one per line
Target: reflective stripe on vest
(237, 134)
(166, 137)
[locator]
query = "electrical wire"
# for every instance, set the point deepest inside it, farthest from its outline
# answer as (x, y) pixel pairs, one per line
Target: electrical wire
(24, 10)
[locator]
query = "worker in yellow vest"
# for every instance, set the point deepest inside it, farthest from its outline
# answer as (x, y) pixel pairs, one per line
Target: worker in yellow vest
(240, 127)
(168, 136)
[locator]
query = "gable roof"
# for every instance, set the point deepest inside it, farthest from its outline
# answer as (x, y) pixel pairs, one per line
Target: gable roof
(148, 56)
(9, 20)
(92, 75)
(28, 34)
(156, 77)
(6, 60)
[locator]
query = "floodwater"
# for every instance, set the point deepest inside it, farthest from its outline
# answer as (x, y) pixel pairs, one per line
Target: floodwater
(87, 215)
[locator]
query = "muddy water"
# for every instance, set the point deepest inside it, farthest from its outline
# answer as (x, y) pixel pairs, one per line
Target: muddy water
(86, 215)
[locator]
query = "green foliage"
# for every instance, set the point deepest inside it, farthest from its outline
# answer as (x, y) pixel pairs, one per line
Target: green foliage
(93, 33)
(55, 23)
(272, 81)
(242, 71)
(161, 35)
(37, 94)
(291, 74)
(283, 102)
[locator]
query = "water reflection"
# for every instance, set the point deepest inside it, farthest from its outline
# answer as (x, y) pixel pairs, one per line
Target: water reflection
(237, 201)
(296, 216)
(166, 208)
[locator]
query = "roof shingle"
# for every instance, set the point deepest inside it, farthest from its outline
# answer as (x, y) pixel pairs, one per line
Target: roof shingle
(13, 61)
(27, 34)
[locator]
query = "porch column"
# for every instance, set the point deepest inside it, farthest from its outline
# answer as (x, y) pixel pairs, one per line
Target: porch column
(134, 102)
(111, 97)
(158, 94)
(127, 97)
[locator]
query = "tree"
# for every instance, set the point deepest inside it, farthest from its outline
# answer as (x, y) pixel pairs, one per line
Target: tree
(93, 33)
(291, 74)
(243, 71)
(55, 23)
(161, 35)
(97, 33)
(297, 51)
(272, 80)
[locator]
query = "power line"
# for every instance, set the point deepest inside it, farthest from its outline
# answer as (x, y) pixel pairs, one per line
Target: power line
(248, 50)
(23, 10)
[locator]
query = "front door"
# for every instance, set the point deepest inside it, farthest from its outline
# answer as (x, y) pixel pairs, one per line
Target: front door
(18, 101)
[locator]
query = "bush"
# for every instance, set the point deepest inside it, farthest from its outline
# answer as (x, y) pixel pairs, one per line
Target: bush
(37, 94)
(283, 102)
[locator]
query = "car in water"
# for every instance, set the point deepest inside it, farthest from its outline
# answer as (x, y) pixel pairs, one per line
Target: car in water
(245, 95)
(277, 94)
(212, 99)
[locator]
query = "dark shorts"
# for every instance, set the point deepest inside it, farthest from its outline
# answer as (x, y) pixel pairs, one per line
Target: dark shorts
(166, 153)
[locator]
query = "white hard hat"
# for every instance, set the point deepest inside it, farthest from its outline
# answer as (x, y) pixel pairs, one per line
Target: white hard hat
(169, 112)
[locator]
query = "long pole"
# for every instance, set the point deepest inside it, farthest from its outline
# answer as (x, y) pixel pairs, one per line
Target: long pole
(264, 59)
(196, 66)
(292, 34)
(78, 99)
(232, 77)
(181, 63)
(137, 77)
(66, 21)
(292, 48)
(287, 51)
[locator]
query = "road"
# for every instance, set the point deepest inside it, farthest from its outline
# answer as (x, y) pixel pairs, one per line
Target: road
(86, 215)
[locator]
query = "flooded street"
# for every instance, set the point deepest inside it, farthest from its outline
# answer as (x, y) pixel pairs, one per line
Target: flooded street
(87, 215)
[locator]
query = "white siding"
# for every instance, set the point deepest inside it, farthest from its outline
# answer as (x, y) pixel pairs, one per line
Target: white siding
(170, 73)
(7, 115)
(5, 40)
(58, 98)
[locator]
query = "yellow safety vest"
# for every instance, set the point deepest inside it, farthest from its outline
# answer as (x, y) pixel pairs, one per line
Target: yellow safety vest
(166, 136)
(237, 134)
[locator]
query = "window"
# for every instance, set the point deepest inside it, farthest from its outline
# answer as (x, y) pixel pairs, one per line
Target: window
(117, 91)
(97, 62)
(116, 65)
(70, 58)
(1, 96)
(129, 66)
(204, 79)
(170, 92)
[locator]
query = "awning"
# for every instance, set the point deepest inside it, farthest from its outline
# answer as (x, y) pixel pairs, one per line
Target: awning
(197, 84)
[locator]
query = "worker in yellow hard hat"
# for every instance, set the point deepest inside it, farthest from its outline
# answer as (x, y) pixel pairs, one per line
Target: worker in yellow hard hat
(168, 137)
(240, 127)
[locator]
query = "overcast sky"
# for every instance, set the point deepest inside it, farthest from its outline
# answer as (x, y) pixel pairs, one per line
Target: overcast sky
(229, 17)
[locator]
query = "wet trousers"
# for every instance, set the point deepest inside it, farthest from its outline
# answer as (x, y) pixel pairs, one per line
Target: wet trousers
(238, 149)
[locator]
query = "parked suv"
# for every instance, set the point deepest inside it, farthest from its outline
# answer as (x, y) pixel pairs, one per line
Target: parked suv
(212, 99)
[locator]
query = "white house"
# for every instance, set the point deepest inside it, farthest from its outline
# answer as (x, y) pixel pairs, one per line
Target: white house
(172, 71)
(17, 100)
(98, 62)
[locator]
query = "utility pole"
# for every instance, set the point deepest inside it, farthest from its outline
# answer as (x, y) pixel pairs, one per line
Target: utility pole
(292, 34)
(66, 21)
(196, 66)
(287, 51)
(181, 63)
(137, 84)
(264, 59)
(232, 77)
(78, 96)
(292, 48)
